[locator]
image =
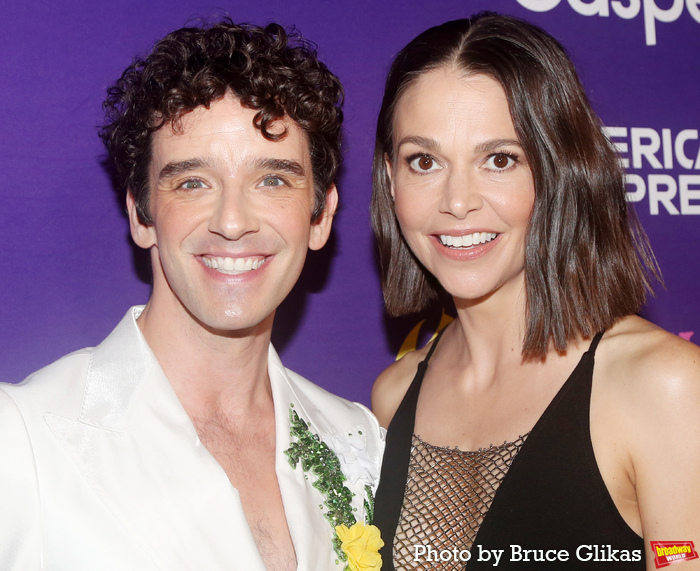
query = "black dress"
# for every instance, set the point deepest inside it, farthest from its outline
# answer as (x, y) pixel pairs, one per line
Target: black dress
(552, 498)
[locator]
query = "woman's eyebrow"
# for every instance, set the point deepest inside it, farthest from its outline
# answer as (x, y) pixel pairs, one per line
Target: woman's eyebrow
(426, 143)
(493, 144)
(434, 146)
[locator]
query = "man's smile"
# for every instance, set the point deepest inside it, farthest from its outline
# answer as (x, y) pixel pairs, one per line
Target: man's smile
(233, 266)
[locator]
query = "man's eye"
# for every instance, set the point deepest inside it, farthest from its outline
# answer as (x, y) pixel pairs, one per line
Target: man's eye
(423, 163)
(272, 181)
(192, 184)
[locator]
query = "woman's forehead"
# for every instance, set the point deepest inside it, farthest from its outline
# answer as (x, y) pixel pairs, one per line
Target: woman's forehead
(449, 103)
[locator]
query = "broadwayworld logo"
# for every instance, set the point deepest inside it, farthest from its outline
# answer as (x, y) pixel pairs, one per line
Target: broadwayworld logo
(667, 552)
(625, 9)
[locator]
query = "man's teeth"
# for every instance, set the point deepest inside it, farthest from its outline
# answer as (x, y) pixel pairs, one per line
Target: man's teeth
(468, 240)
(233, 265)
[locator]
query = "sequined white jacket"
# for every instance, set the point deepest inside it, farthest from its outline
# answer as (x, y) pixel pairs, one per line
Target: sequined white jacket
(101, 468)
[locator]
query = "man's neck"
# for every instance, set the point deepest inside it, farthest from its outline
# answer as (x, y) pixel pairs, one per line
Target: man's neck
(222, 382)
(222, 373)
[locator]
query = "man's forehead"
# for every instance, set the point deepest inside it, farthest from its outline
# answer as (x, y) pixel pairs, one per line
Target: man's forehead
(224, 109)
(226, 129)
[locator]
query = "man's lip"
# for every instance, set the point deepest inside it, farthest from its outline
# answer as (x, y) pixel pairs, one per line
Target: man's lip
(235, 264)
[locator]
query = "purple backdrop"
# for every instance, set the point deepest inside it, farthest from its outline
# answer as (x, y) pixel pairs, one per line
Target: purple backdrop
(69, 272)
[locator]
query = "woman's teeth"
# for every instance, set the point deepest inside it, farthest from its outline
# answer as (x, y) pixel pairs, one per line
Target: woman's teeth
(468, 240)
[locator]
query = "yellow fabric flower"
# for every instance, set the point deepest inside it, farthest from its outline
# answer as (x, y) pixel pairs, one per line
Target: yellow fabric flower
(361, 543)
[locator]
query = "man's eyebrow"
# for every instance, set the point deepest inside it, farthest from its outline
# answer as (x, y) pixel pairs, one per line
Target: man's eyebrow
(176, 168)
(280, 165)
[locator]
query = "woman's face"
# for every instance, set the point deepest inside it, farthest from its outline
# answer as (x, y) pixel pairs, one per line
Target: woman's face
(462, 186)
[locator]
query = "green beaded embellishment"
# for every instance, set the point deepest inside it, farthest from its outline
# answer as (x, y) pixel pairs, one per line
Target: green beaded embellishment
(315, 456)
(369, 504)
(320, 460)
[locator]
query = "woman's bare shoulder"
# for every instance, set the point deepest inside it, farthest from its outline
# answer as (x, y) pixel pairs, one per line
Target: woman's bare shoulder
(650, 372)
(640, 349)
(650, 387)
(391, 385)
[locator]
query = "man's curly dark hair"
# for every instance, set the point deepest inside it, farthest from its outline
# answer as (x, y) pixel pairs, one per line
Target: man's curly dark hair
(268, 69)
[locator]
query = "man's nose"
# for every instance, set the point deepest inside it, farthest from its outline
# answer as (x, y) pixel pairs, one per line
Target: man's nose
(234, 214)
(461, 194)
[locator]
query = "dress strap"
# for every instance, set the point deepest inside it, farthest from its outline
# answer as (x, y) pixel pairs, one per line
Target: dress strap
(388, 500)
(435, 344)
(594, 343)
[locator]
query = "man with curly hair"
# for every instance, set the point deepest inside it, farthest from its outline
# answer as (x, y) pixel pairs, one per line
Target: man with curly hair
(181, 442)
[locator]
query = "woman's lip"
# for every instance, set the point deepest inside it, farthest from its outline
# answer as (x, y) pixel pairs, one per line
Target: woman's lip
(462, 231)
(465, 253)
(466, 239)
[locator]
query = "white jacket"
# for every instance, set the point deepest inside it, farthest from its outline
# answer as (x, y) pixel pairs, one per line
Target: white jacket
(101, 468)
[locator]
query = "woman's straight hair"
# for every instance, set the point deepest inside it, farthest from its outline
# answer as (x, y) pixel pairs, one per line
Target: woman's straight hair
(587, 260)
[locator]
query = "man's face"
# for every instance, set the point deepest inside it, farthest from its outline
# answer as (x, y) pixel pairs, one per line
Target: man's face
(231, 217)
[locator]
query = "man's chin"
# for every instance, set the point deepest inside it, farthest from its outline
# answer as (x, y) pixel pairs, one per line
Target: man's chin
(234, 323)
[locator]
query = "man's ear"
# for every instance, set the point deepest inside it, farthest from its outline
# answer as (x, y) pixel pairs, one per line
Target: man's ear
(321, 227)
(144, 235)
(387, 165)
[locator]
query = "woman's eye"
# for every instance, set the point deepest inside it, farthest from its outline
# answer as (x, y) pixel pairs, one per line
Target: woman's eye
(501, 161)
(423, 163)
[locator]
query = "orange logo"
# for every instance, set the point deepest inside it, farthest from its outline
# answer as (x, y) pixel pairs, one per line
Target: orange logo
(667, 552)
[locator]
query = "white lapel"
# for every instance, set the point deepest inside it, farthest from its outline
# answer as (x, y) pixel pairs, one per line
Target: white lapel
(139, 452)
(312, 534)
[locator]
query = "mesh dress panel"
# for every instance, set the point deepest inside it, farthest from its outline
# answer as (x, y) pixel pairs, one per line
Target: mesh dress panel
(448, 493)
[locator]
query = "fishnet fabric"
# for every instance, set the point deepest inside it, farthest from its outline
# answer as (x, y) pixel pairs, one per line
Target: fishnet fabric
(448, 493)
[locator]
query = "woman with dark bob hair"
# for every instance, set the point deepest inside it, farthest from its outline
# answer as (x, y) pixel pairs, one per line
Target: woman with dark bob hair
(548, 426)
